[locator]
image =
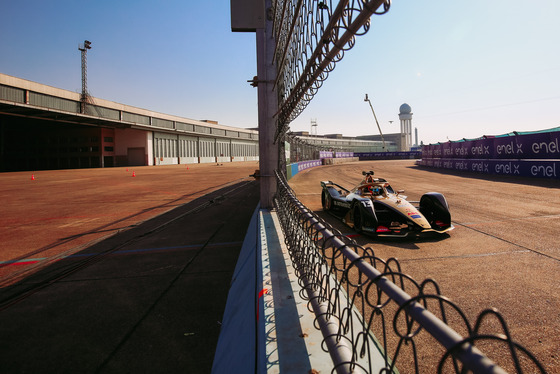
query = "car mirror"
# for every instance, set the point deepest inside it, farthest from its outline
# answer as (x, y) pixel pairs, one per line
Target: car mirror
(400, 191)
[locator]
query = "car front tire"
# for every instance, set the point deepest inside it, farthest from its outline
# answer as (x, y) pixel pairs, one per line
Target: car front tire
(357, 217)
(326, 200)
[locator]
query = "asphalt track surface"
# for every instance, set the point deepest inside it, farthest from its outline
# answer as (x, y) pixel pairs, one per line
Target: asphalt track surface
(103, 272)
(504, 252)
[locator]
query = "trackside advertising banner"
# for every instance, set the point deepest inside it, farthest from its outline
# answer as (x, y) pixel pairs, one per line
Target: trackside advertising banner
(521, 168)
(331, 154)
(307, 164)
(544, 145)
(388, 155)
(295, 168)
(527, 155)
(343, 154)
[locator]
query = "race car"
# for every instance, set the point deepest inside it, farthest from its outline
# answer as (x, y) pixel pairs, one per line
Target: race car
(374, 208)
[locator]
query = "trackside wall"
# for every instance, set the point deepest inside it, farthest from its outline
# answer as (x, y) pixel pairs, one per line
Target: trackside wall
(389, 155)
(526, 155)
(326, 158)
(265, 315)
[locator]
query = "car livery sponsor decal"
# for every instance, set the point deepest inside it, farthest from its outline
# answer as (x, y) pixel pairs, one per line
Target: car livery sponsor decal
(341, 204)
(413, 214)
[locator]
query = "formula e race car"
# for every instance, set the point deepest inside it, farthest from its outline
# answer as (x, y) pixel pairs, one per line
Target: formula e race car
(374, 208)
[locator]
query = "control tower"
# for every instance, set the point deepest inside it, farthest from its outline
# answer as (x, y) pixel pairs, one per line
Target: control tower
(405, 115)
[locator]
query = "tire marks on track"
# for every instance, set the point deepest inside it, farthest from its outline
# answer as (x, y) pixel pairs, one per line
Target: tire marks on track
(524, 248)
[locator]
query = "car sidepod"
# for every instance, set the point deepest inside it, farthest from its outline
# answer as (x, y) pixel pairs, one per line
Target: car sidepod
(398, 218)
(361, 216)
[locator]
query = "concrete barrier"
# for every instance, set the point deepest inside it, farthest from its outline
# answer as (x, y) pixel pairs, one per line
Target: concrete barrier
(335, 161)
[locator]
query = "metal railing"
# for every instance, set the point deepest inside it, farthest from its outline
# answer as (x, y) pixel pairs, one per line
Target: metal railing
(408, 323)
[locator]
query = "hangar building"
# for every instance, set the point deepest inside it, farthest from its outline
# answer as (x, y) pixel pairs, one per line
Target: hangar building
(43, 127)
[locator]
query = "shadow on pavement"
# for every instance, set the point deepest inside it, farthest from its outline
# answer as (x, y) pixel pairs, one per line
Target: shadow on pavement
(149, 299)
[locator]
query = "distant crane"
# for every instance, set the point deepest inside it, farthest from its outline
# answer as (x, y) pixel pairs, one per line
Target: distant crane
(374, 116)
(85, 98)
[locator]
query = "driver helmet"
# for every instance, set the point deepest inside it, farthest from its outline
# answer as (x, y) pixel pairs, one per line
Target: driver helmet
(376, 190)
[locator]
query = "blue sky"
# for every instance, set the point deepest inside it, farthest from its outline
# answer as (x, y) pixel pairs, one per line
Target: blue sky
(467, 68)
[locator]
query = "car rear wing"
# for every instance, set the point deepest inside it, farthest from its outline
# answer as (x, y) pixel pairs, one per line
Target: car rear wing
(327, 184)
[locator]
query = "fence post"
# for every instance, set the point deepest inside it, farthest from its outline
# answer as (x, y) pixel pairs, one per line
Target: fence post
(268, 105)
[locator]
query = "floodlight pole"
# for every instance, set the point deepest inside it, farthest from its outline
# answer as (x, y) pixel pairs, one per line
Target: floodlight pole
(374, 116)
(84, 98)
